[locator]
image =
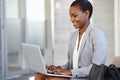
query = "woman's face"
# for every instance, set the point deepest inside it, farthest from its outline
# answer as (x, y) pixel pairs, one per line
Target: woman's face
(78, 17)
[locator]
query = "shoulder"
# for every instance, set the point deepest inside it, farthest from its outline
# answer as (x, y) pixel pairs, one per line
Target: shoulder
(96, 32)
(98, 36)
(74, 32)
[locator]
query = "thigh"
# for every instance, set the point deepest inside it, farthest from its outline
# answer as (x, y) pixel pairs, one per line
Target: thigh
(39, 76)
(56, 78)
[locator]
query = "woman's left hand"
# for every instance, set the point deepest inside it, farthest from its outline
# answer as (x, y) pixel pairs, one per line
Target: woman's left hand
(62, 71)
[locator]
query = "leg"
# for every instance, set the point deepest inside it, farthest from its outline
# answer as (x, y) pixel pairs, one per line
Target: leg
(40, 76)
(56, 78)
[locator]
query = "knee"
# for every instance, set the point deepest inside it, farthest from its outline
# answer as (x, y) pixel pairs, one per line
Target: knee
(39, 76)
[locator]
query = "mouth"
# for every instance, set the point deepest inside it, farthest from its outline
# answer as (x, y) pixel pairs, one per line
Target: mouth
(74, 23)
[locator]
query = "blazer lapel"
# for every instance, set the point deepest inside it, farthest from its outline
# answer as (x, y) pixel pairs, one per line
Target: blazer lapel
(85, 38)
(73, 46)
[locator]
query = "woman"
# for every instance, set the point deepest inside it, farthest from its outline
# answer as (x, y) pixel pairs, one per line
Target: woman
(87, 45)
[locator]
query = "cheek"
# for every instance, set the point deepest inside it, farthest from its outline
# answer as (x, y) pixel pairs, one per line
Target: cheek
(80, 18)
(80, 22)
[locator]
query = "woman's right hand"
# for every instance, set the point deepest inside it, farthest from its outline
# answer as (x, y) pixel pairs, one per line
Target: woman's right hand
(52, 68)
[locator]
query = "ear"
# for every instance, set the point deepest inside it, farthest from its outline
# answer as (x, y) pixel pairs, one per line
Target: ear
(87, 13)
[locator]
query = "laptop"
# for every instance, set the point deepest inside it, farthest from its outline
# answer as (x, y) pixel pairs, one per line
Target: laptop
(34, 59)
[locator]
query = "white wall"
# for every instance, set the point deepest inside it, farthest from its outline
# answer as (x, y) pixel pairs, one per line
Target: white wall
(63, 28)
(103, 18)
(117, 26)
(12, 9)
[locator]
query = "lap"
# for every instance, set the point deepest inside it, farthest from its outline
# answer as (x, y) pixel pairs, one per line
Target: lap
(56, 78)
(40, 76)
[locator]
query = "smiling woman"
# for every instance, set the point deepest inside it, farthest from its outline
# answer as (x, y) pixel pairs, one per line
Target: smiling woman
(87, 45)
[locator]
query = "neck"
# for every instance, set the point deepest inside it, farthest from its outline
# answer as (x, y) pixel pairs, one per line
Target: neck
(83, 29)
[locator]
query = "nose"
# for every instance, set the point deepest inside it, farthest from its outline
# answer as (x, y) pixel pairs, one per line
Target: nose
(72, 19)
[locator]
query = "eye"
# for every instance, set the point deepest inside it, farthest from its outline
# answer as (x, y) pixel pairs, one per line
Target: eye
(75, 16)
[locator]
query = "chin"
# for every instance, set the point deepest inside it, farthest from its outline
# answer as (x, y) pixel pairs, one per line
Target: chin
(76, 27)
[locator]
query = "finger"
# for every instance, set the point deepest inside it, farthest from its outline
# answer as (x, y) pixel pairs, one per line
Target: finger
(58, 72)
(51, 68)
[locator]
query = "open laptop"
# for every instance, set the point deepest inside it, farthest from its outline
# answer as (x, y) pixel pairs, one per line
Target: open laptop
(34, 59)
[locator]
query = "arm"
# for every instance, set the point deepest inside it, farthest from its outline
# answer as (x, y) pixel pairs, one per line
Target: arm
(68, 65)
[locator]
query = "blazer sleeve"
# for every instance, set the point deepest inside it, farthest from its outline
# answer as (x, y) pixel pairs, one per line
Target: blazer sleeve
(99, 47)
(68, 65)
